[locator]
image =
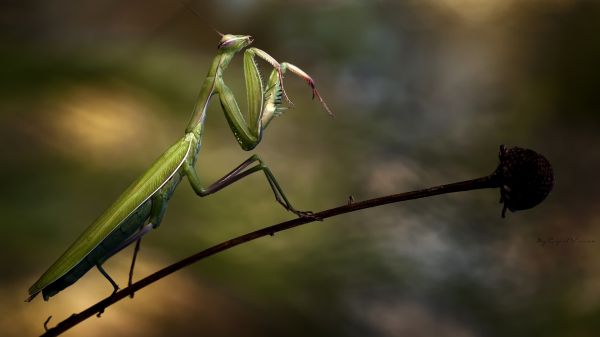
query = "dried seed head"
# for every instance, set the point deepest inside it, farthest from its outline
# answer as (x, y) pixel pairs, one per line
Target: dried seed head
(525, 178)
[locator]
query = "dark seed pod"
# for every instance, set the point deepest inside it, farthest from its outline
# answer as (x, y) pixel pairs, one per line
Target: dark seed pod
(525, 178)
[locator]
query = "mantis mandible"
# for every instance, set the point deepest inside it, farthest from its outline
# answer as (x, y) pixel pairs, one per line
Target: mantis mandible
(143, 204)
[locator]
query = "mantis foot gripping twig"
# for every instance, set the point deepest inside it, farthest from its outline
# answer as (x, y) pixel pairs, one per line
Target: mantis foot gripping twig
(46, 322)
(306, 214)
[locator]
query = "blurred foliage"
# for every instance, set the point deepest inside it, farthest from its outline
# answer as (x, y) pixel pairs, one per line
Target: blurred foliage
(424, 92)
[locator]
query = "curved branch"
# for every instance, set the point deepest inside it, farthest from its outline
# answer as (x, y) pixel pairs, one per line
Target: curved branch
(98, 308)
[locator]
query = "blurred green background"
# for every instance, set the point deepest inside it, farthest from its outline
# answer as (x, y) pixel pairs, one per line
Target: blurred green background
(424, 92)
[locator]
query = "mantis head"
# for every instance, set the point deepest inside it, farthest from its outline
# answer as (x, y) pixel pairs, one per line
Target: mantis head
(234, 43)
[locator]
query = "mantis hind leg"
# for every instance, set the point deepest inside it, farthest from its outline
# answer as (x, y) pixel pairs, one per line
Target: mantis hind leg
(242, 171)
(135, 252)
(112, 282)
(159, 206)
(105, 274)
(136, 237)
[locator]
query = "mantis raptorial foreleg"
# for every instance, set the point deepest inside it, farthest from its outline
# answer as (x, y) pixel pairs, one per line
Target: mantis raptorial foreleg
(264, 99)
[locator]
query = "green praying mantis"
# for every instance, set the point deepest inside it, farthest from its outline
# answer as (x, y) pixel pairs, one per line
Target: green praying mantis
(143, 204)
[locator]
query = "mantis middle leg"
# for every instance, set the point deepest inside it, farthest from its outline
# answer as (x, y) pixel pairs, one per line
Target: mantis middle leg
(241, 171)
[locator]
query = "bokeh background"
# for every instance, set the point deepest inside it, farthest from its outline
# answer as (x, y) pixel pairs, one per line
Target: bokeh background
(424, 92)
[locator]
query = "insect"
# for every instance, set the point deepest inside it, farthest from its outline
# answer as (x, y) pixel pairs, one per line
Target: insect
(143, 204)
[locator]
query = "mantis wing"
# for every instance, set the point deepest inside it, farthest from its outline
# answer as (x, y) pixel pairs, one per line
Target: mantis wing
(129, 201)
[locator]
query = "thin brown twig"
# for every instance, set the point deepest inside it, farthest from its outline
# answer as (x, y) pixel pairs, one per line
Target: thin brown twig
(98, 308)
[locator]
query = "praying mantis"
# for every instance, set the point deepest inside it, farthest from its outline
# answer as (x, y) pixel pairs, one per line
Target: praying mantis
(142, 205)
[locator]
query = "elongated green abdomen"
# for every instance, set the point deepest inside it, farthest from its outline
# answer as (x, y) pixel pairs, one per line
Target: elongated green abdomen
(129, 201)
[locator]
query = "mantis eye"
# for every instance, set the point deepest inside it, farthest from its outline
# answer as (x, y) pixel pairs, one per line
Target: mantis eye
(235, 41)
(225, 43)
